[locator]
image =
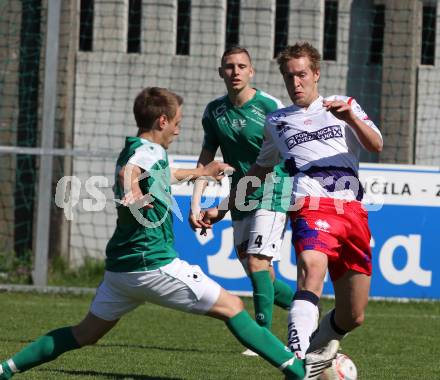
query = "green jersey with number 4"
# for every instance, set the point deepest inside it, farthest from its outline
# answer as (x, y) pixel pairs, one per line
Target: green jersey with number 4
(143, 239)
(239, 132)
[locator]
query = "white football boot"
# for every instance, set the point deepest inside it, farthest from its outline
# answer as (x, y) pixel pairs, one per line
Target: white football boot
(317, 361)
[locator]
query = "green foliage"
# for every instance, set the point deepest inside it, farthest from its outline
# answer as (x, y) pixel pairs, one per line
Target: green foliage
(88, 275)
(16, 269)
(398, 341)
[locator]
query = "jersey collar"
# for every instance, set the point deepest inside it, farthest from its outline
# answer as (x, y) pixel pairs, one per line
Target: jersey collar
(316, 104)
(250, 101)
(312, 107)
(132, 139)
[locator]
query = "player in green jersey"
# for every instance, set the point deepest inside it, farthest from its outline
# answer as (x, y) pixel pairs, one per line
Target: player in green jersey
(141, 263)
(235, 124)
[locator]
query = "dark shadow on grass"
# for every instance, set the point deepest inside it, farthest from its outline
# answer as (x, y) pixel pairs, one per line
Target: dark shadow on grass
(163, 348)
(139, 346)
(107, 375)
(22, 341)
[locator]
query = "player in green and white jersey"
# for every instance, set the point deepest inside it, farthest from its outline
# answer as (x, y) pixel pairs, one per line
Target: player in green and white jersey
(141, 264)
(235, 124)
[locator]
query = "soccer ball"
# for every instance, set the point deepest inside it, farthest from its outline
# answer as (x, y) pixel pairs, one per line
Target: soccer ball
(342, 368)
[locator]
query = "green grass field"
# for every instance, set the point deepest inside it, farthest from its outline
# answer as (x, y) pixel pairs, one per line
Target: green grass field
(397, 341)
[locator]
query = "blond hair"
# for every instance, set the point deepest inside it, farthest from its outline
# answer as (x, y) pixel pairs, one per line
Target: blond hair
(300, 49)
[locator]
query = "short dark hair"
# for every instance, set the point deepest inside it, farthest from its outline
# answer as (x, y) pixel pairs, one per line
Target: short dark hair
(151, 103)
(300, 49)
(235, 50)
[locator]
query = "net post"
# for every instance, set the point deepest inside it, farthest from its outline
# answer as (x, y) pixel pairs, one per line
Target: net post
(401, 57)
(47, 136)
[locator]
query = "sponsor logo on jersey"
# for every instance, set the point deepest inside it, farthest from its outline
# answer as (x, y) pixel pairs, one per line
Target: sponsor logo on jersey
(260, 113)
(322, 225)
(277, 116)
(239, 123)
(219, 111)
(307, 122)
(330, 132)
(282, 127)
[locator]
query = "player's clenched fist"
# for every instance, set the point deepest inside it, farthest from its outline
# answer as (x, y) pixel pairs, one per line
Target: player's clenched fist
(210, 216)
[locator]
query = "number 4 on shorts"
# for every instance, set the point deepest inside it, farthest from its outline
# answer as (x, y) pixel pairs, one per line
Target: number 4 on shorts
(259, 241)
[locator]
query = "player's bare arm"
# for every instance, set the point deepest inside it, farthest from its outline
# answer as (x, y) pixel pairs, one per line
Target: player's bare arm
(206, 156)
(214, 215)
(343, 111)
(129, 177)
(215, 170)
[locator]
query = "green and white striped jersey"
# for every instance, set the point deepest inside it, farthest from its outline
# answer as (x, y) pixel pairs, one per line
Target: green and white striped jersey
(239, 132)
(143, 239)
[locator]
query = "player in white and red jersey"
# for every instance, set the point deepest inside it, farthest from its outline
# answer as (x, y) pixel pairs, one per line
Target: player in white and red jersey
(320, 140)
(320, 151)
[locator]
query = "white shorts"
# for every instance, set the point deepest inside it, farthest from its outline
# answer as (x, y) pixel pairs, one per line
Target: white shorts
(177, 285)
(260, 233)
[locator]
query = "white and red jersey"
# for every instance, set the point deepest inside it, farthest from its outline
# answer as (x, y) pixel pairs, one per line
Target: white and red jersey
(320, 151)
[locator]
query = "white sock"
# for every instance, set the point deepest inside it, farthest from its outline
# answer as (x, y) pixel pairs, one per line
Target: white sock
(303, 319)
(326, 332)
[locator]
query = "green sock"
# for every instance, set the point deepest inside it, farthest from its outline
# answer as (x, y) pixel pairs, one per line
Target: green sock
(263, 297)
(46, 348)
(5, 372)
(264, 343)
(283, 294)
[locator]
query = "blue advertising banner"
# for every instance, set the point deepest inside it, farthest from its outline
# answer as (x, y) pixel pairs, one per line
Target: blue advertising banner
(404, 209)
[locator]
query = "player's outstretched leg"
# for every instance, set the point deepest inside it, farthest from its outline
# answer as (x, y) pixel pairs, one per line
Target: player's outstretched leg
(46, 348)
(230, 309)
(267, 291)
(51, 345)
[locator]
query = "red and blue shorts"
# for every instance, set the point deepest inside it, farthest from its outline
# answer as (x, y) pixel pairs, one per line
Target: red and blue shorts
(337, 228)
